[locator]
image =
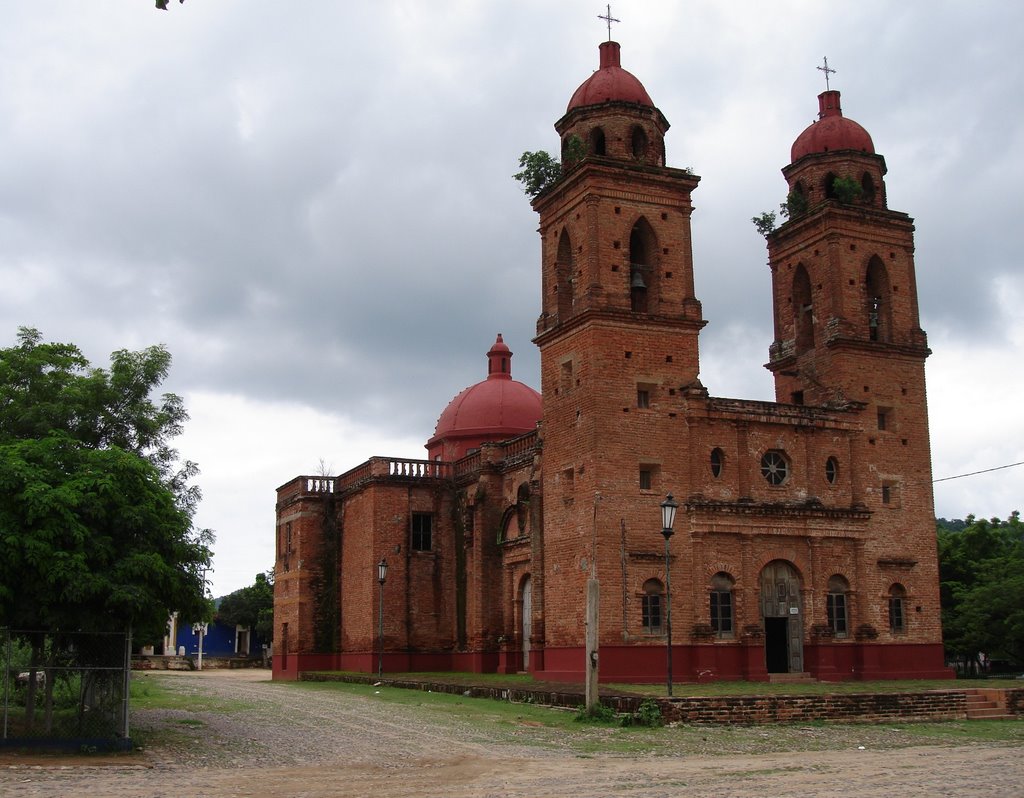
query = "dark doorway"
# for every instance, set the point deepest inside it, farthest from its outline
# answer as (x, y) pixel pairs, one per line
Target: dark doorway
(776, 645)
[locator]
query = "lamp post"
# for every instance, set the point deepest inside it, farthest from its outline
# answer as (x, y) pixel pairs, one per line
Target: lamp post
(668, 518)
(199, 629)
(382, 575)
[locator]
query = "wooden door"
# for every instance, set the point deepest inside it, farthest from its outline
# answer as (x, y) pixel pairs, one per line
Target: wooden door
(780, 598)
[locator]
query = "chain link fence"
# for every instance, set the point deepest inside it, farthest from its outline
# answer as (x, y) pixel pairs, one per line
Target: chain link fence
(65, 689)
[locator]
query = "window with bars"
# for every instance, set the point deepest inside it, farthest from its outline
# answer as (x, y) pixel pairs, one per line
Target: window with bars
(897, 609)
(721, 605)
(651, 606)
(835, 606)
(422, 532)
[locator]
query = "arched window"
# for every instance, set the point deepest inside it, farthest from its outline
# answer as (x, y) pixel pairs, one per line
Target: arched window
(595, 144)
(803, 310)
(642, 267)
(639, 143)
(721, 604)
(564, 282)
(652, 606)
(879, 301)
(830, 185)
(835, 606)
(897, 609)
(867, 185)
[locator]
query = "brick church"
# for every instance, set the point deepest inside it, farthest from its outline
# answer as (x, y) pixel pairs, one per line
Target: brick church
(804, 540)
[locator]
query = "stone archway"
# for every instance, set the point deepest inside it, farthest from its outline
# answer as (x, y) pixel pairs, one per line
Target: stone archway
(783, 618)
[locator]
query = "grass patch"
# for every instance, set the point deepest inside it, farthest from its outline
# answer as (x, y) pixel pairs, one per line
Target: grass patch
(955, 732)
(687, 689)
(493, 721)
(152, 692)
(489, 720)
(449, 677)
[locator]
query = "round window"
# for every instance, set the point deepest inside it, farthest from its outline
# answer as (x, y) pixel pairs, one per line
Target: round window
(774, 467)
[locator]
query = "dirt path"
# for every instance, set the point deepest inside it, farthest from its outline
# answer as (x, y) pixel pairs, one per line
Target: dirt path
(281, 741)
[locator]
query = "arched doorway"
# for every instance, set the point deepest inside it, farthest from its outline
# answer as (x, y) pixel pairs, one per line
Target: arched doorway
(783, 618)
(525, 625)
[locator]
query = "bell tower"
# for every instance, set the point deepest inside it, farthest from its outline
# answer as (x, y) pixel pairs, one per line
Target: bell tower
(847, 329)
(619, 322)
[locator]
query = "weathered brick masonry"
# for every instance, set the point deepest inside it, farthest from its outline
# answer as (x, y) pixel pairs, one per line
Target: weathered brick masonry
(805, 535)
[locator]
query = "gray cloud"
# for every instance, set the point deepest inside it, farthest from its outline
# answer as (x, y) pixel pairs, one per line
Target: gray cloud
(312, 203)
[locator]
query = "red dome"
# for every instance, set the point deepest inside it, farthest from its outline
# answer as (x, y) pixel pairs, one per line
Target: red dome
(493, 410)
(831, 132)
(610, 82)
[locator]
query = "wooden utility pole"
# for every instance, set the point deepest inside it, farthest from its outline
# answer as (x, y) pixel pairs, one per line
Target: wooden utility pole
(593, 602)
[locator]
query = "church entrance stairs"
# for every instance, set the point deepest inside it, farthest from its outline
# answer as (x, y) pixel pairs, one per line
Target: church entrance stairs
(987, 704)
(791, 678)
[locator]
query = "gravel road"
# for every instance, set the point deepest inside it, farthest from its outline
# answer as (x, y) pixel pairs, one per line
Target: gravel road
(259, 738)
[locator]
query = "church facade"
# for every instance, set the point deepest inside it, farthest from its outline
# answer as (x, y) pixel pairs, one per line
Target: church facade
(804, 540)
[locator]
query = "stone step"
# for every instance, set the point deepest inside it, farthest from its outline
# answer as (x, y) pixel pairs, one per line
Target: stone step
(988, 713)
(986, 704)
(790, 678)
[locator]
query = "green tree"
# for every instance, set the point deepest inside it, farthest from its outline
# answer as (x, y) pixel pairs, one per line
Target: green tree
(846, 189)
(537, 172)
(251, 606)
(794, 206)
(764, 223)
(96, 511)
(981, 572)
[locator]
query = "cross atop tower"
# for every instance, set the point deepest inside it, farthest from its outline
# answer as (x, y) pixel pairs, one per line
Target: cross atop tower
(607, 17)
(824, 69)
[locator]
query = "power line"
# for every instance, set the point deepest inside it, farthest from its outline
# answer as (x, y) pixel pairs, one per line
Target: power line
(974, 473)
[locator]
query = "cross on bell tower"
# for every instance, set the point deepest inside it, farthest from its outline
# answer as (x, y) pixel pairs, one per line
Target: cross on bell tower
(607, 17)
(827, 70)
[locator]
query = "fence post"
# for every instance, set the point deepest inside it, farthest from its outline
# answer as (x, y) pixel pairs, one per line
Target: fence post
(127, 683)
(7, 675)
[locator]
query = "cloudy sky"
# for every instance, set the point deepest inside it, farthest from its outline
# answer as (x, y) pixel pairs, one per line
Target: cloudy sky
(311, 204)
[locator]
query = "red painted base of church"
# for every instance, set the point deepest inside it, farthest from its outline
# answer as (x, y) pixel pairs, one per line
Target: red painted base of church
(827, 662)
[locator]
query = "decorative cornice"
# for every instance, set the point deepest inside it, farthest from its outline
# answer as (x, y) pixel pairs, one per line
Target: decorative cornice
(591, 315)
(896, 562)
(696, 505)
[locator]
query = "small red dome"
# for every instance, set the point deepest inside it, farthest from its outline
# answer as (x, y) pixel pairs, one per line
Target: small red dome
(831, 132)
(610, 82)
(493, 410)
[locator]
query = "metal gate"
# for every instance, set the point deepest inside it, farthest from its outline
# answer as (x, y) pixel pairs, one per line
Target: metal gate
(65, 689)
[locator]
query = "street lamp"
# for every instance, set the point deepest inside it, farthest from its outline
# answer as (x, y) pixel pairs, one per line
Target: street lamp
(382, 575)
(199, 628)
(668, 518)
